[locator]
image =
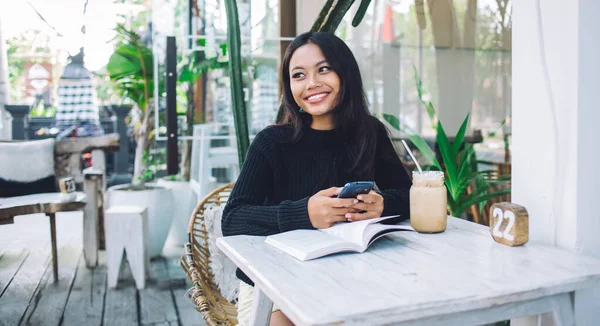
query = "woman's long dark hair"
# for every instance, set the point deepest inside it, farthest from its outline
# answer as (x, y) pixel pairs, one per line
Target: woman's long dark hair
(353, 121)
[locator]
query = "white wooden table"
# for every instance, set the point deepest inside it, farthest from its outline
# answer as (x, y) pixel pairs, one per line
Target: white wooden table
(459, 277)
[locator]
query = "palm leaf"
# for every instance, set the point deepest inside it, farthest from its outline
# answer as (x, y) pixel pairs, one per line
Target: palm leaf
(465, 166)
(452, 206)
(476, 177)
(427, 102)
(424, 148)
(485, 186)
(133, 52)
(460, 135)
(120, 66)
(468, 203)
(449, 159)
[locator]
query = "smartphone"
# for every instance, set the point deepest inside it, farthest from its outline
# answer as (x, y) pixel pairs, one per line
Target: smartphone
(353, 189)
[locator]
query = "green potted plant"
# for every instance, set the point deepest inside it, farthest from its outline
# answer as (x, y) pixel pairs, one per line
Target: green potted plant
(130, 69)
(458, 160)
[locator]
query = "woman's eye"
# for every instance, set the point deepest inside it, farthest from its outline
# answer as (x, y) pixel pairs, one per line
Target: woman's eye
(324, 68)
(297, 75)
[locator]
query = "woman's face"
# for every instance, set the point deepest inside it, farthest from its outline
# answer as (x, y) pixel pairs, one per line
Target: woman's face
(314, 84)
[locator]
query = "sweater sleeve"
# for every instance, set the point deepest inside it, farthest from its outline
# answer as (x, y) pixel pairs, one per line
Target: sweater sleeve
(246, 213)
(392, 179)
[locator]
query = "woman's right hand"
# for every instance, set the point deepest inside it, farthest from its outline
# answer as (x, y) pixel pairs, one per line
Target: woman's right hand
(324, 211)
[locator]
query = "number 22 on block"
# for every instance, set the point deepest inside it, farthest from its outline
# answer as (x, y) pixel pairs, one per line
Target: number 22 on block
(511, 222)
(516, 230)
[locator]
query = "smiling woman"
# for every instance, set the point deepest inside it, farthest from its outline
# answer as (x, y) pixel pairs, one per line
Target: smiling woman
(327, 137)
(315, 85)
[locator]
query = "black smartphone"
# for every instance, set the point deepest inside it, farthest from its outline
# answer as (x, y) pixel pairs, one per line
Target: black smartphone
(353, 189)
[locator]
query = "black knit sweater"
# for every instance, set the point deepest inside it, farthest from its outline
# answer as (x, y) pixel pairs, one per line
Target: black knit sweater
(278, 177)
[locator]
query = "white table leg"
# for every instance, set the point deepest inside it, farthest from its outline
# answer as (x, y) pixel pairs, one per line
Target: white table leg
(562, 308)
(91, 183)
(587, 306)
(261, 308)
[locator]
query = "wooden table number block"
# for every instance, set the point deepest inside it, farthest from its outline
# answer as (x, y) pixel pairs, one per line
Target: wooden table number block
(66, 185)
(509, 224)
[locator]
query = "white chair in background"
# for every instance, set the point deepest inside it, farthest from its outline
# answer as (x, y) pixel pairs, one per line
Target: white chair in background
(205, 157)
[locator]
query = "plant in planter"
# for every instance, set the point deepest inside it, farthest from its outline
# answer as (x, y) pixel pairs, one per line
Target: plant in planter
(130, 68)
(458, 160)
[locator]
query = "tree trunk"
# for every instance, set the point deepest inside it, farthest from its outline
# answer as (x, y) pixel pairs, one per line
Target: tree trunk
(186, 145)
(141, 149)
(5, 117)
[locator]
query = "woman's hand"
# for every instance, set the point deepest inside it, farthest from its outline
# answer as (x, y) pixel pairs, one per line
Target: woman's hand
(324, 211)
(371, 206)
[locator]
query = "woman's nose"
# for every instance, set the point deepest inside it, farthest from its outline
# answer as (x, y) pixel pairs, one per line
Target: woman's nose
(314, 82)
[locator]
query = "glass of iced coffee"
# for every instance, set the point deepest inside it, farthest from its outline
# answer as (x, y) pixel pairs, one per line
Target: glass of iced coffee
(428, 202)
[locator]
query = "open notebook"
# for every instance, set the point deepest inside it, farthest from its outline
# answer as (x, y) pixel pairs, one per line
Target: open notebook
(345, 236)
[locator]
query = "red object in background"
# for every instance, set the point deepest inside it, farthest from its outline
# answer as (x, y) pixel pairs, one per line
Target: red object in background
(387, 28)
(87, 159)
(38, 79)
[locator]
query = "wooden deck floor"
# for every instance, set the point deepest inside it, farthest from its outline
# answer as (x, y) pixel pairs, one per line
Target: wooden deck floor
(28, 295)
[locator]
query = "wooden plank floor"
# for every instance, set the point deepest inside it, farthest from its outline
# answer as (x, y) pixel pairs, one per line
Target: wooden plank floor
(28, 295)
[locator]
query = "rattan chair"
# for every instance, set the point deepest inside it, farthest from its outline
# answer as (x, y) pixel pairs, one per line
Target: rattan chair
(215, 309)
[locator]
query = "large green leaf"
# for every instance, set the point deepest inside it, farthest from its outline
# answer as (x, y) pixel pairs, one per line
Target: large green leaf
(478, 178)
(395, 123)
(425, 150)
(485, 186)
(449, 159)
(426, 101)
(464, 164)
(452, 206)
(136, 53)
(120, 66)
(130, 68)
(473, 201)
(460, 135)
(392, 120)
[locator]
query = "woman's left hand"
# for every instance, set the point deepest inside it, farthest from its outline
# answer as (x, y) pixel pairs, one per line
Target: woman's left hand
(372, 205)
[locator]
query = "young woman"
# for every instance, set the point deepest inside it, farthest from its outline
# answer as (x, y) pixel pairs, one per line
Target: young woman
(327, 137)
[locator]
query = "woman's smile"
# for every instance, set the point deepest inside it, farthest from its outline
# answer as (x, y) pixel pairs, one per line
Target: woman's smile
(316, 98)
